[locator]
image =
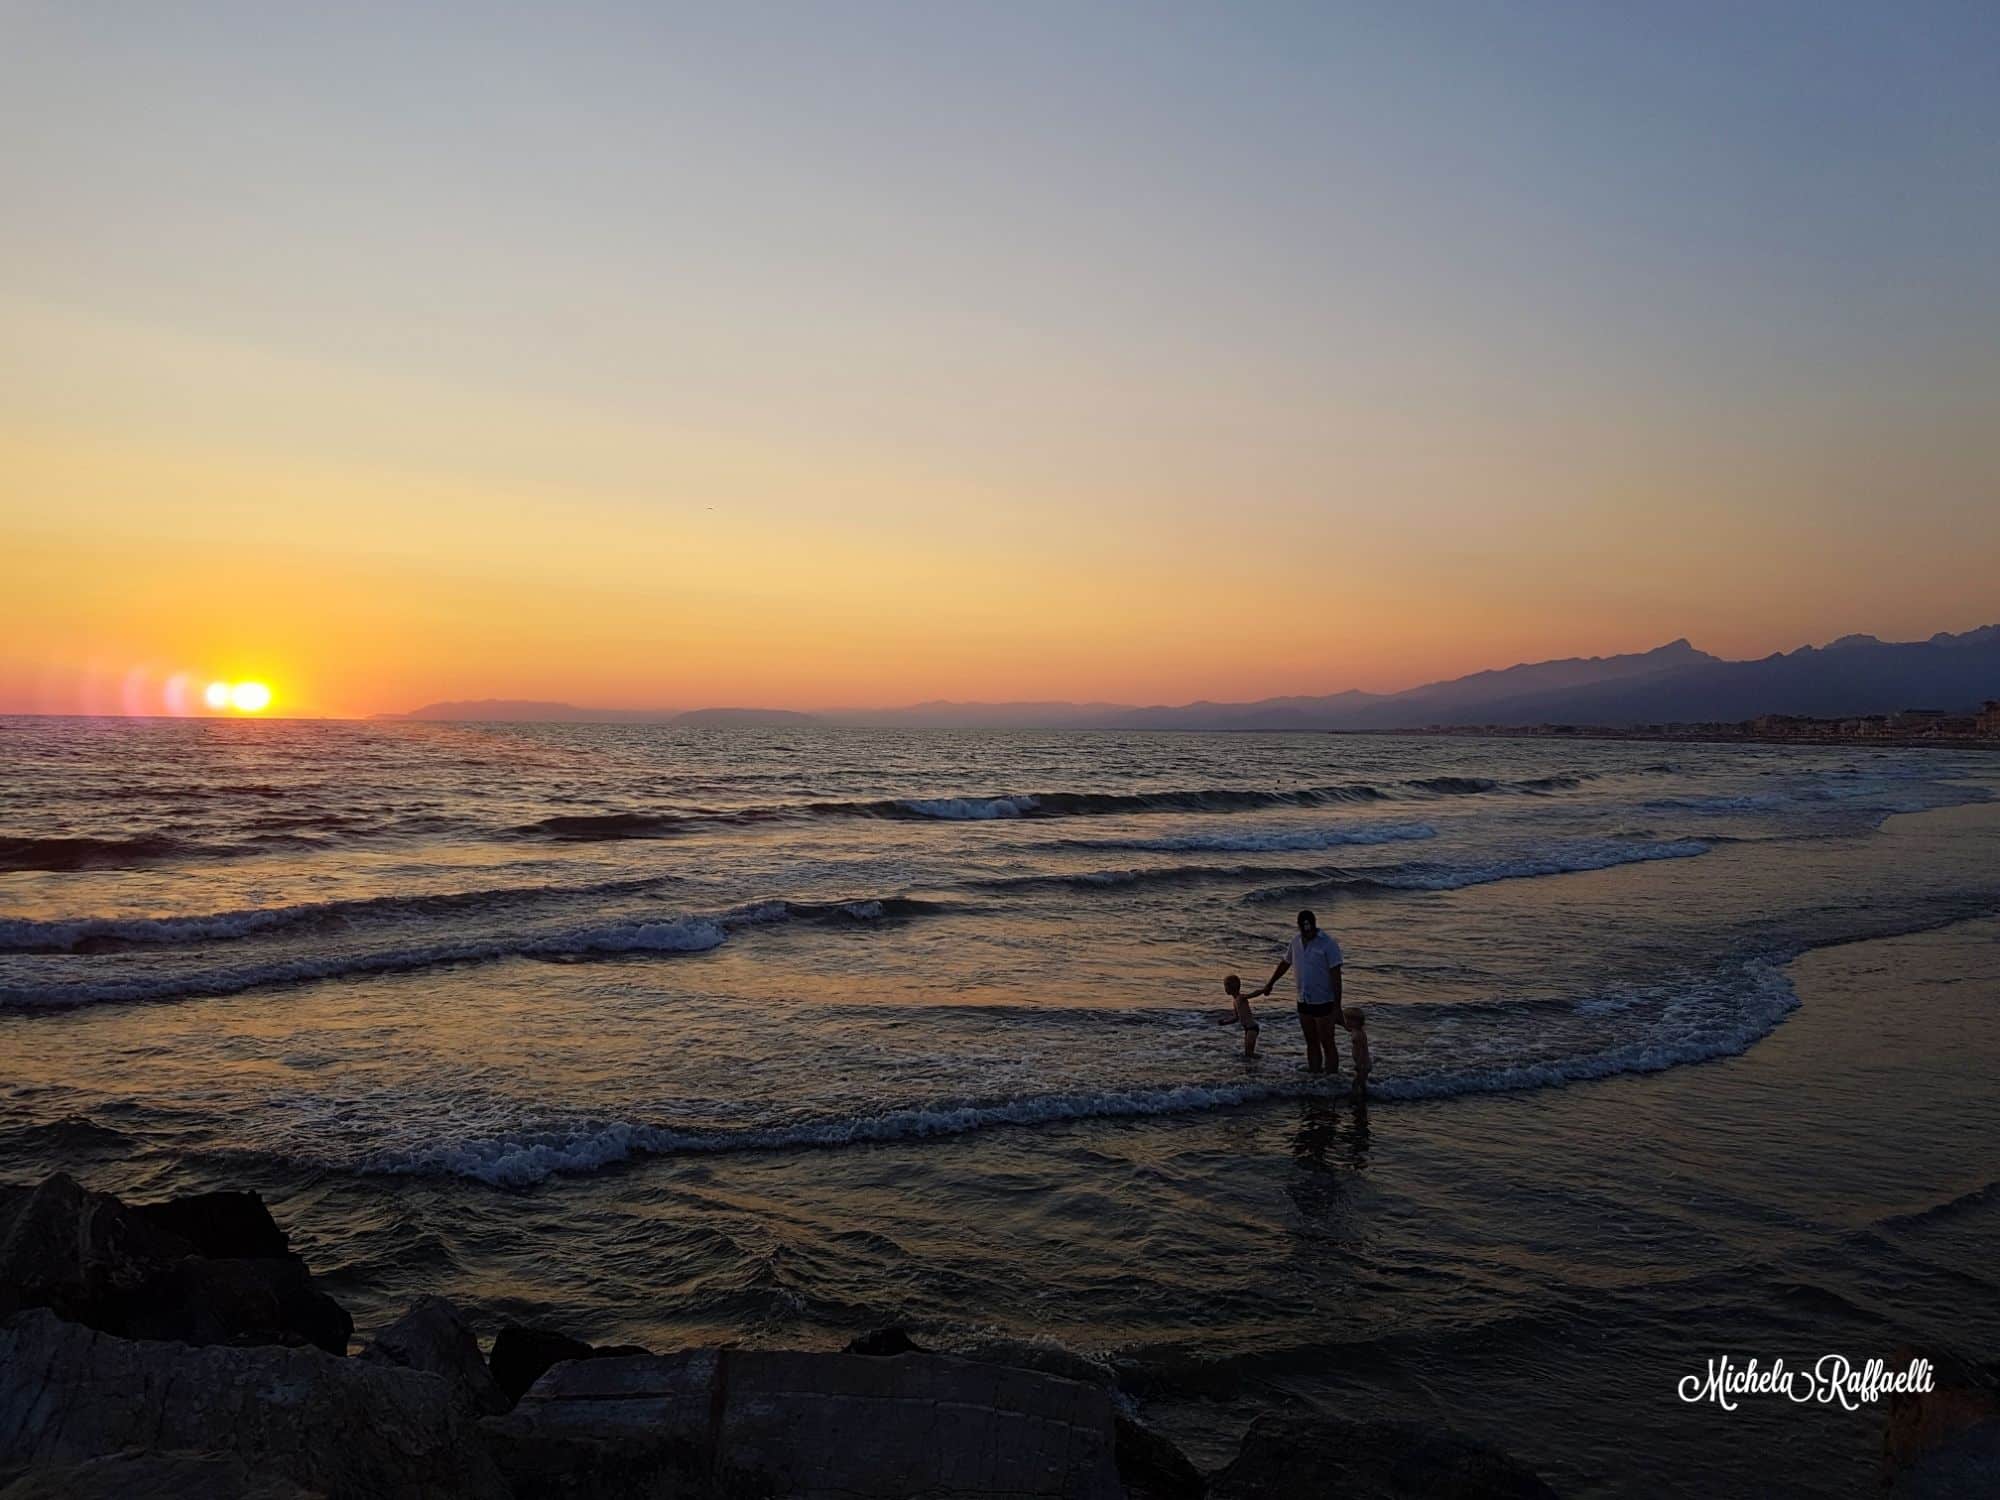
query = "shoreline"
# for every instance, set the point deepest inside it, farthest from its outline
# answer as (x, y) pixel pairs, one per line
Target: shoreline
(1640, 737)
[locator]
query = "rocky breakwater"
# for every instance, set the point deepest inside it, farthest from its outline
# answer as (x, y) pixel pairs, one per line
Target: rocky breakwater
(180, 1349)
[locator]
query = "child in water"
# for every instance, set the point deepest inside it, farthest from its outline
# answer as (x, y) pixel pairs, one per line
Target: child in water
(1357, 1043)
(1239, 1014)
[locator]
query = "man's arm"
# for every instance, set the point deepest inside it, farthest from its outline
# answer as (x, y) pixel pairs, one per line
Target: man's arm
(1276, 974)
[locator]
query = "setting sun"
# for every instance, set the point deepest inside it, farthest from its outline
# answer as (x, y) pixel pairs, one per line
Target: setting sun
(243, 697)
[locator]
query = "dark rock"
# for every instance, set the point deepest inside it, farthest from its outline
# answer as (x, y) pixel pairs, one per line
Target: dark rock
(522, 1355)
(1153, 1468)
(222, 1226)
(1942, 1443)
(756, 1422)
(83, 1254)
(434, 1336)
(155, 1476)
(884, 1341)
(1048, 1358)
(340, 1427)
(91, 1259)
(1285, 1456)
(199, 1301)
(1964, 1466)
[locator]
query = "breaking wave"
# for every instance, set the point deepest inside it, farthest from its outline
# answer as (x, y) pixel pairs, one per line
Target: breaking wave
(90, 854)
(1716, 1018)
(1443, 877)
(682, 934)
(1278, 840)
(107, 933)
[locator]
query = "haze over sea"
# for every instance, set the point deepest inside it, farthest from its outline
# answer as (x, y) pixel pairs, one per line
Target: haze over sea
(667, 1034)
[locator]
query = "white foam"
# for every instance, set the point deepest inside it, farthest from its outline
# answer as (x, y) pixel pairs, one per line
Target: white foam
(516, 1161)
(1709, 1020)
(1571, 861)
(970, 809)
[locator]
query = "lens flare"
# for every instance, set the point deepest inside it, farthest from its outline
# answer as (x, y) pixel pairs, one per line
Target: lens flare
(217, 695)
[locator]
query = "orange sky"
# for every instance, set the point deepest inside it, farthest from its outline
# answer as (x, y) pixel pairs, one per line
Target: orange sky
(1161, 370)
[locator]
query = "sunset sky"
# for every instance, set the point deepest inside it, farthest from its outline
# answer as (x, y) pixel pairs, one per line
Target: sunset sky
(847, 355)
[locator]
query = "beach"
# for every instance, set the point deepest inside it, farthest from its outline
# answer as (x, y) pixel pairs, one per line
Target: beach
(1675, 1061)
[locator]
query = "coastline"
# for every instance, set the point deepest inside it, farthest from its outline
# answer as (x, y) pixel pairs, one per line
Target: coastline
(1610, 735)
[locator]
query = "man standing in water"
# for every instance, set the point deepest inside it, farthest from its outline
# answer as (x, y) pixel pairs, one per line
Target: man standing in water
(1316, 957)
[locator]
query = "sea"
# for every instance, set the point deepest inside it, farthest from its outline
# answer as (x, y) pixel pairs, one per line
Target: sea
(671, 1035)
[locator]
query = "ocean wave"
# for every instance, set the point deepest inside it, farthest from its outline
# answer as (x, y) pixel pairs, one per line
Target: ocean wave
(1006, 806)
(528, 1157)
(1094, 880)
(1093, 804)
(1276, 840)
(1710, 1018)
(692, 933)
(681, 935)
(1455, 786)
(1736, 1011)
(78, 853)
(1560, 783)
(621, 825)
(1441, 877)
(107, 933)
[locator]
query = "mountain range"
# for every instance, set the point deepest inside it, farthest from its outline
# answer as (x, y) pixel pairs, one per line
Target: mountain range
(1674, 683)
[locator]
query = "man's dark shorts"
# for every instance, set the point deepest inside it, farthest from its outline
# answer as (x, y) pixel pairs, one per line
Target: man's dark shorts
(1316, 1010)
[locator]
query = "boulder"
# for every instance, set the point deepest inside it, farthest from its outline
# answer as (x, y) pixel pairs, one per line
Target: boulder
(84, 1254)
(337, 1427)
(130, 1271)
(521, 1356)
(222, 1226)
(155, 1476)
(1153, 1468)
(1944, 1442)
(197, 1301)
(1964, 1466)
(434, 1336)
(758, 1422)
(879, 1342)
(1284, 1456)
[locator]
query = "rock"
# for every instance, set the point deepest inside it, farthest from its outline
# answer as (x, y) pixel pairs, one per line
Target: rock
(1964, 1466)
(84, 1254)
(339, 1427)
(1153, 1468)
(433, 1336)
(758, 1422)
(94, 1260)
(1285, 1456)
(884, 1341)
(155, 1476)
(1944, 1442)
(197, 1301)
(521, 1356)
(222, 1226)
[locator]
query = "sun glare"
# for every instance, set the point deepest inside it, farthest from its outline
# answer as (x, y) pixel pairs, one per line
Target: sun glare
(243, 697)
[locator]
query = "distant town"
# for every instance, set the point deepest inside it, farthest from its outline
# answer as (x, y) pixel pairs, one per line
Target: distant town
(1911, 726)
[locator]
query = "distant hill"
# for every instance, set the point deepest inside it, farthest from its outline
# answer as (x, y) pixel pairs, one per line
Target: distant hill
(1674, 683)
(1854, 675)
(528, 711)
(753, 718)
